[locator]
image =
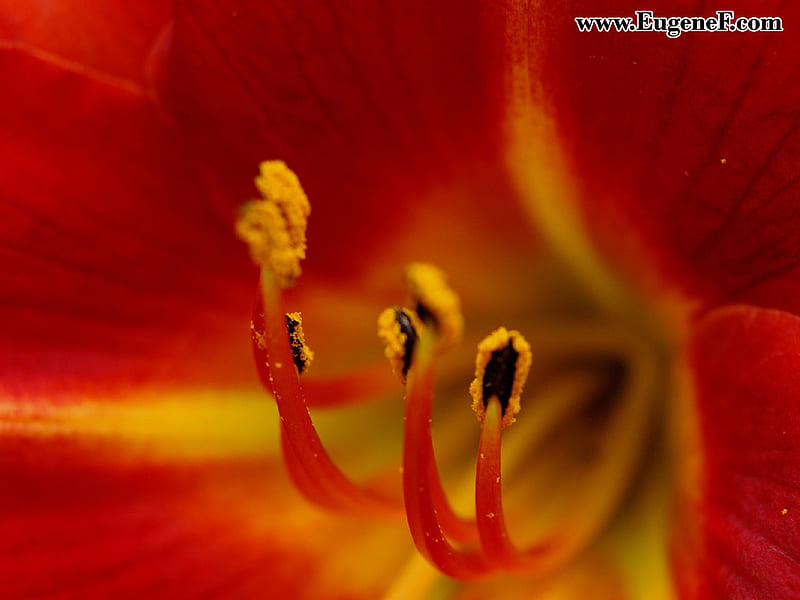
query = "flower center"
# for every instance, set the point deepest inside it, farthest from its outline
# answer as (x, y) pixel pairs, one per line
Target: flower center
(596, 386)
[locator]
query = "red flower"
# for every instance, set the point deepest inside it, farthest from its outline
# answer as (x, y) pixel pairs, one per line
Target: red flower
(569, 183)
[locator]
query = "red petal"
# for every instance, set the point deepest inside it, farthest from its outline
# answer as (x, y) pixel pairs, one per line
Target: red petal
(373, 104)
(746, 364)
(126, 474)
(648, 120)
(114, 38)
(84, 524)
(114, 267)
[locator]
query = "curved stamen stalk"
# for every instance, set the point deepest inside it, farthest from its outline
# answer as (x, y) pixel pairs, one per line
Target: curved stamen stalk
(308, 486)
(455, 527)
(274, 228)
(309, 462)
(489, 499)
(399, 329)
(421, 478)
(626, 434)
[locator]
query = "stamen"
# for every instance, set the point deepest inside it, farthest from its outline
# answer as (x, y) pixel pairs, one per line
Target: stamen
(435, 303)
(501, 368)
(302, 355)
(302, 480)
(308, 461)
(274, 227)
(397, 329)
(626, 432)
(420, 476)
(489, 500)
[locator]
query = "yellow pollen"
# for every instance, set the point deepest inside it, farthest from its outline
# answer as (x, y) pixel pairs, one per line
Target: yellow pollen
(258, 336)
(784, 511)
(274, 227)
(302, 355)
(501, 368)
(435, 302)
(398, 348)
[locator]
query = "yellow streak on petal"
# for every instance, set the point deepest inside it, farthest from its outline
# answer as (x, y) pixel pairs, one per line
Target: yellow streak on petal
(640, 540)
(543, 178)
(182, 425)
(414, 581)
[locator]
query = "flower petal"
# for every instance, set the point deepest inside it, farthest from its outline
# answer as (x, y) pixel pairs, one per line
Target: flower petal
(746, 363)
(109, 38)
(84, 523)
(115, 268)
(135, 451)
(372, 104)
(690, 143)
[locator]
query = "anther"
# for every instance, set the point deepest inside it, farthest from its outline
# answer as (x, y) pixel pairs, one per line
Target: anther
(274, 227)
(302, 355)
(435, 303)
(501, 368)
(397, 329)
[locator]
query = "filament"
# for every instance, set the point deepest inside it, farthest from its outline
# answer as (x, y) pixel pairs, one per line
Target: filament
(304, 454)
(420, 476)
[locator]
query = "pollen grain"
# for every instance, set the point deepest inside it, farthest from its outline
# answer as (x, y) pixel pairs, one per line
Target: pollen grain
(501, 368)
(397, 329)
(302, 355)
(274, 227)
(435, 302)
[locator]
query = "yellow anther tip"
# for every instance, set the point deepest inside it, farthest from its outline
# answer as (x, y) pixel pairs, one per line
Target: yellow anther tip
(435, 301)
(274, 227)
(504, 379)
(398, 347)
